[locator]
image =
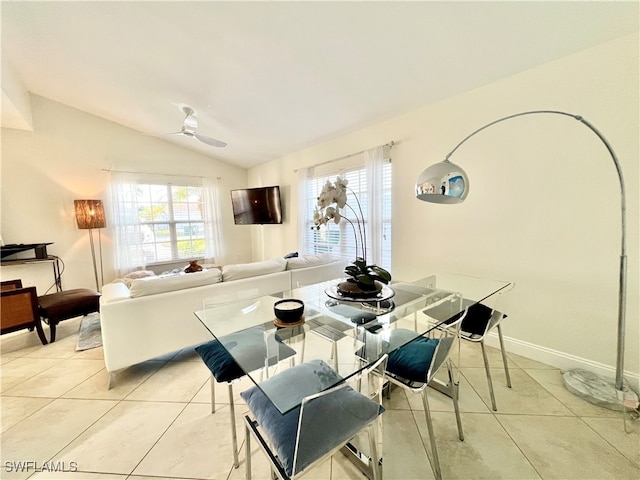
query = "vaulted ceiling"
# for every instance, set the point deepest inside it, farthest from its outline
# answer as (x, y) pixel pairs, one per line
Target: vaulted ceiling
(271, 78)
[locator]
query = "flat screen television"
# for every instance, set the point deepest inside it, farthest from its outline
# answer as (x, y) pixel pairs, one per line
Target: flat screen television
(259, 205)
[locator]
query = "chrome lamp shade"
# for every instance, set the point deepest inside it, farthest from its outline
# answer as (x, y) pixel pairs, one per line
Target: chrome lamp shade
(444, 182)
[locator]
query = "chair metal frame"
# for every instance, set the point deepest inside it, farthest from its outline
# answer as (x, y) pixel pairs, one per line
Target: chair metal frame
(494, 322)
(232, 410)
(449, 334)
(375, 373)
(219, 301)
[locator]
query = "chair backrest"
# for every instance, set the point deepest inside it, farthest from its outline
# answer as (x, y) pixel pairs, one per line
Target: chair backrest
(482, 317)
(10, 285)
(447, 336)
(18, 307)
(375, 376)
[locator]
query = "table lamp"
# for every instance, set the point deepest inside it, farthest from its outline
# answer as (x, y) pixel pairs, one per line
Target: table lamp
(90, 215)
(447, 183)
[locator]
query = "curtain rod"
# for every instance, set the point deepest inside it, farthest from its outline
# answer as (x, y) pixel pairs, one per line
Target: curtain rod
(163, 174)
(389, 144)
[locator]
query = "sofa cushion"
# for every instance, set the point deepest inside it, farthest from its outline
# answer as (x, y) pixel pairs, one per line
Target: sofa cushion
(167, 283)
(253, 269)
(309, 260)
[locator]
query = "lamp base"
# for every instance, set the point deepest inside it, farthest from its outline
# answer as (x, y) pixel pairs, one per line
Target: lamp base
(600, 391)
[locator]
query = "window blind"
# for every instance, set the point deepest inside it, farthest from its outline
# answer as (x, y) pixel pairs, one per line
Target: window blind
(341, 239)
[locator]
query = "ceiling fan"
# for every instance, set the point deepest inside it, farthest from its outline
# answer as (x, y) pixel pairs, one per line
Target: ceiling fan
(190, 126)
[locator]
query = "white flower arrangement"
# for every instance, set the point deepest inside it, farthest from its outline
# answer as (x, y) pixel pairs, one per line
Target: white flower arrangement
(331, 200)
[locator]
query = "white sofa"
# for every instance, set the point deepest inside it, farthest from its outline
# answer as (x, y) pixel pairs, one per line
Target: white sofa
(155, 316)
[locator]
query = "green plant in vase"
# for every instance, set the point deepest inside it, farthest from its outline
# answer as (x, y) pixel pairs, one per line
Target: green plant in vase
(363, 280)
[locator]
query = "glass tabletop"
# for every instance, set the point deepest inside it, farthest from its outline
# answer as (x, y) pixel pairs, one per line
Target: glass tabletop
(346, 334)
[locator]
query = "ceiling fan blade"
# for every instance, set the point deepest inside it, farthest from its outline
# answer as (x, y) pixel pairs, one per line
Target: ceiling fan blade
(210, 141)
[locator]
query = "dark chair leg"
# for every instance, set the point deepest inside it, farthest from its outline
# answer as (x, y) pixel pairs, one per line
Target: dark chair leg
(41, 334)
(52, 328)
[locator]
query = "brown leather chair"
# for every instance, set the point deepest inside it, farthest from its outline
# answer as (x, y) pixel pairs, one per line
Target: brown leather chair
(59, 306)
(19, 309)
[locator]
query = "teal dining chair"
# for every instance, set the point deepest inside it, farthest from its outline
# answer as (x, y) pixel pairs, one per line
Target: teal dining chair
(257, 350)
(414, 365)
(476, 325)
(478, 322)
(320, 425)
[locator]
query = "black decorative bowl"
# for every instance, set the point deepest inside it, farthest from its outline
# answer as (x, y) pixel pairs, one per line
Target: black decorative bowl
(288, 310)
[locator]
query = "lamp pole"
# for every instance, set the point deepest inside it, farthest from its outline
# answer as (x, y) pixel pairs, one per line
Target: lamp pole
(432, 187)
(90, 216)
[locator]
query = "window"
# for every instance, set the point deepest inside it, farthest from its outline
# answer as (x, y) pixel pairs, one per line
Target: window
(340, 239)
(159, 222)
(171, 222)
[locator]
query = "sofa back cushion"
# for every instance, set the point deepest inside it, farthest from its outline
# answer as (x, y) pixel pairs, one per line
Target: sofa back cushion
(167, 283)
(309, 260)
(253, 269)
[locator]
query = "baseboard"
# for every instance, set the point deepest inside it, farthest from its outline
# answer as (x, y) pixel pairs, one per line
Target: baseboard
(561, 360)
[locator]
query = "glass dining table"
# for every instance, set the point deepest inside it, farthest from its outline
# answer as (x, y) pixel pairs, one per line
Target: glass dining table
(348, 334)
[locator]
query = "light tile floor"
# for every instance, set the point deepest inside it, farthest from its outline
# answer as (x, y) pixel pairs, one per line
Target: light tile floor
(156, 422)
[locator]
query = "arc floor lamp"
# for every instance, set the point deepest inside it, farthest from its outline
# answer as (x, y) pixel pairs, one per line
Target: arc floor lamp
(446, 182)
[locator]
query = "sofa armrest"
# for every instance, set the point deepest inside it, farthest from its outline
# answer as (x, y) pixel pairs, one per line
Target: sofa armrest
(114, 292)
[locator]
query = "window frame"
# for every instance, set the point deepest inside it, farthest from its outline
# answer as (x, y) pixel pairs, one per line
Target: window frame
(172, 222)
(128, 230)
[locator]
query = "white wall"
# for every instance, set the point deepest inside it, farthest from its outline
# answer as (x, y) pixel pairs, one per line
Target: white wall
(63, 159)
(544, 205)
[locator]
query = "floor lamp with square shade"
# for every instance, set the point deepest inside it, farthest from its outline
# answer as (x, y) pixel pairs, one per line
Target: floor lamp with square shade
(447, 183)
(89, 216)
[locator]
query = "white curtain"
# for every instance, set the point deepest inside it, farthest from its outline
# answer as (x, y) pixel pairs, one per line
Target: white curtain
(374, 159)
(305, 211)
(213, 223)
(128, 234)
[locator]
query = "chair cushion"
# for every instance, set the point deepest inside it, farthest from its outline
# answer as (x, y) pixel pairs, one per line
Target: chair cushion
(412, 360)
(477, 319)
(222, 365)
(330, 420)
(250, 344)
(68, 304)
